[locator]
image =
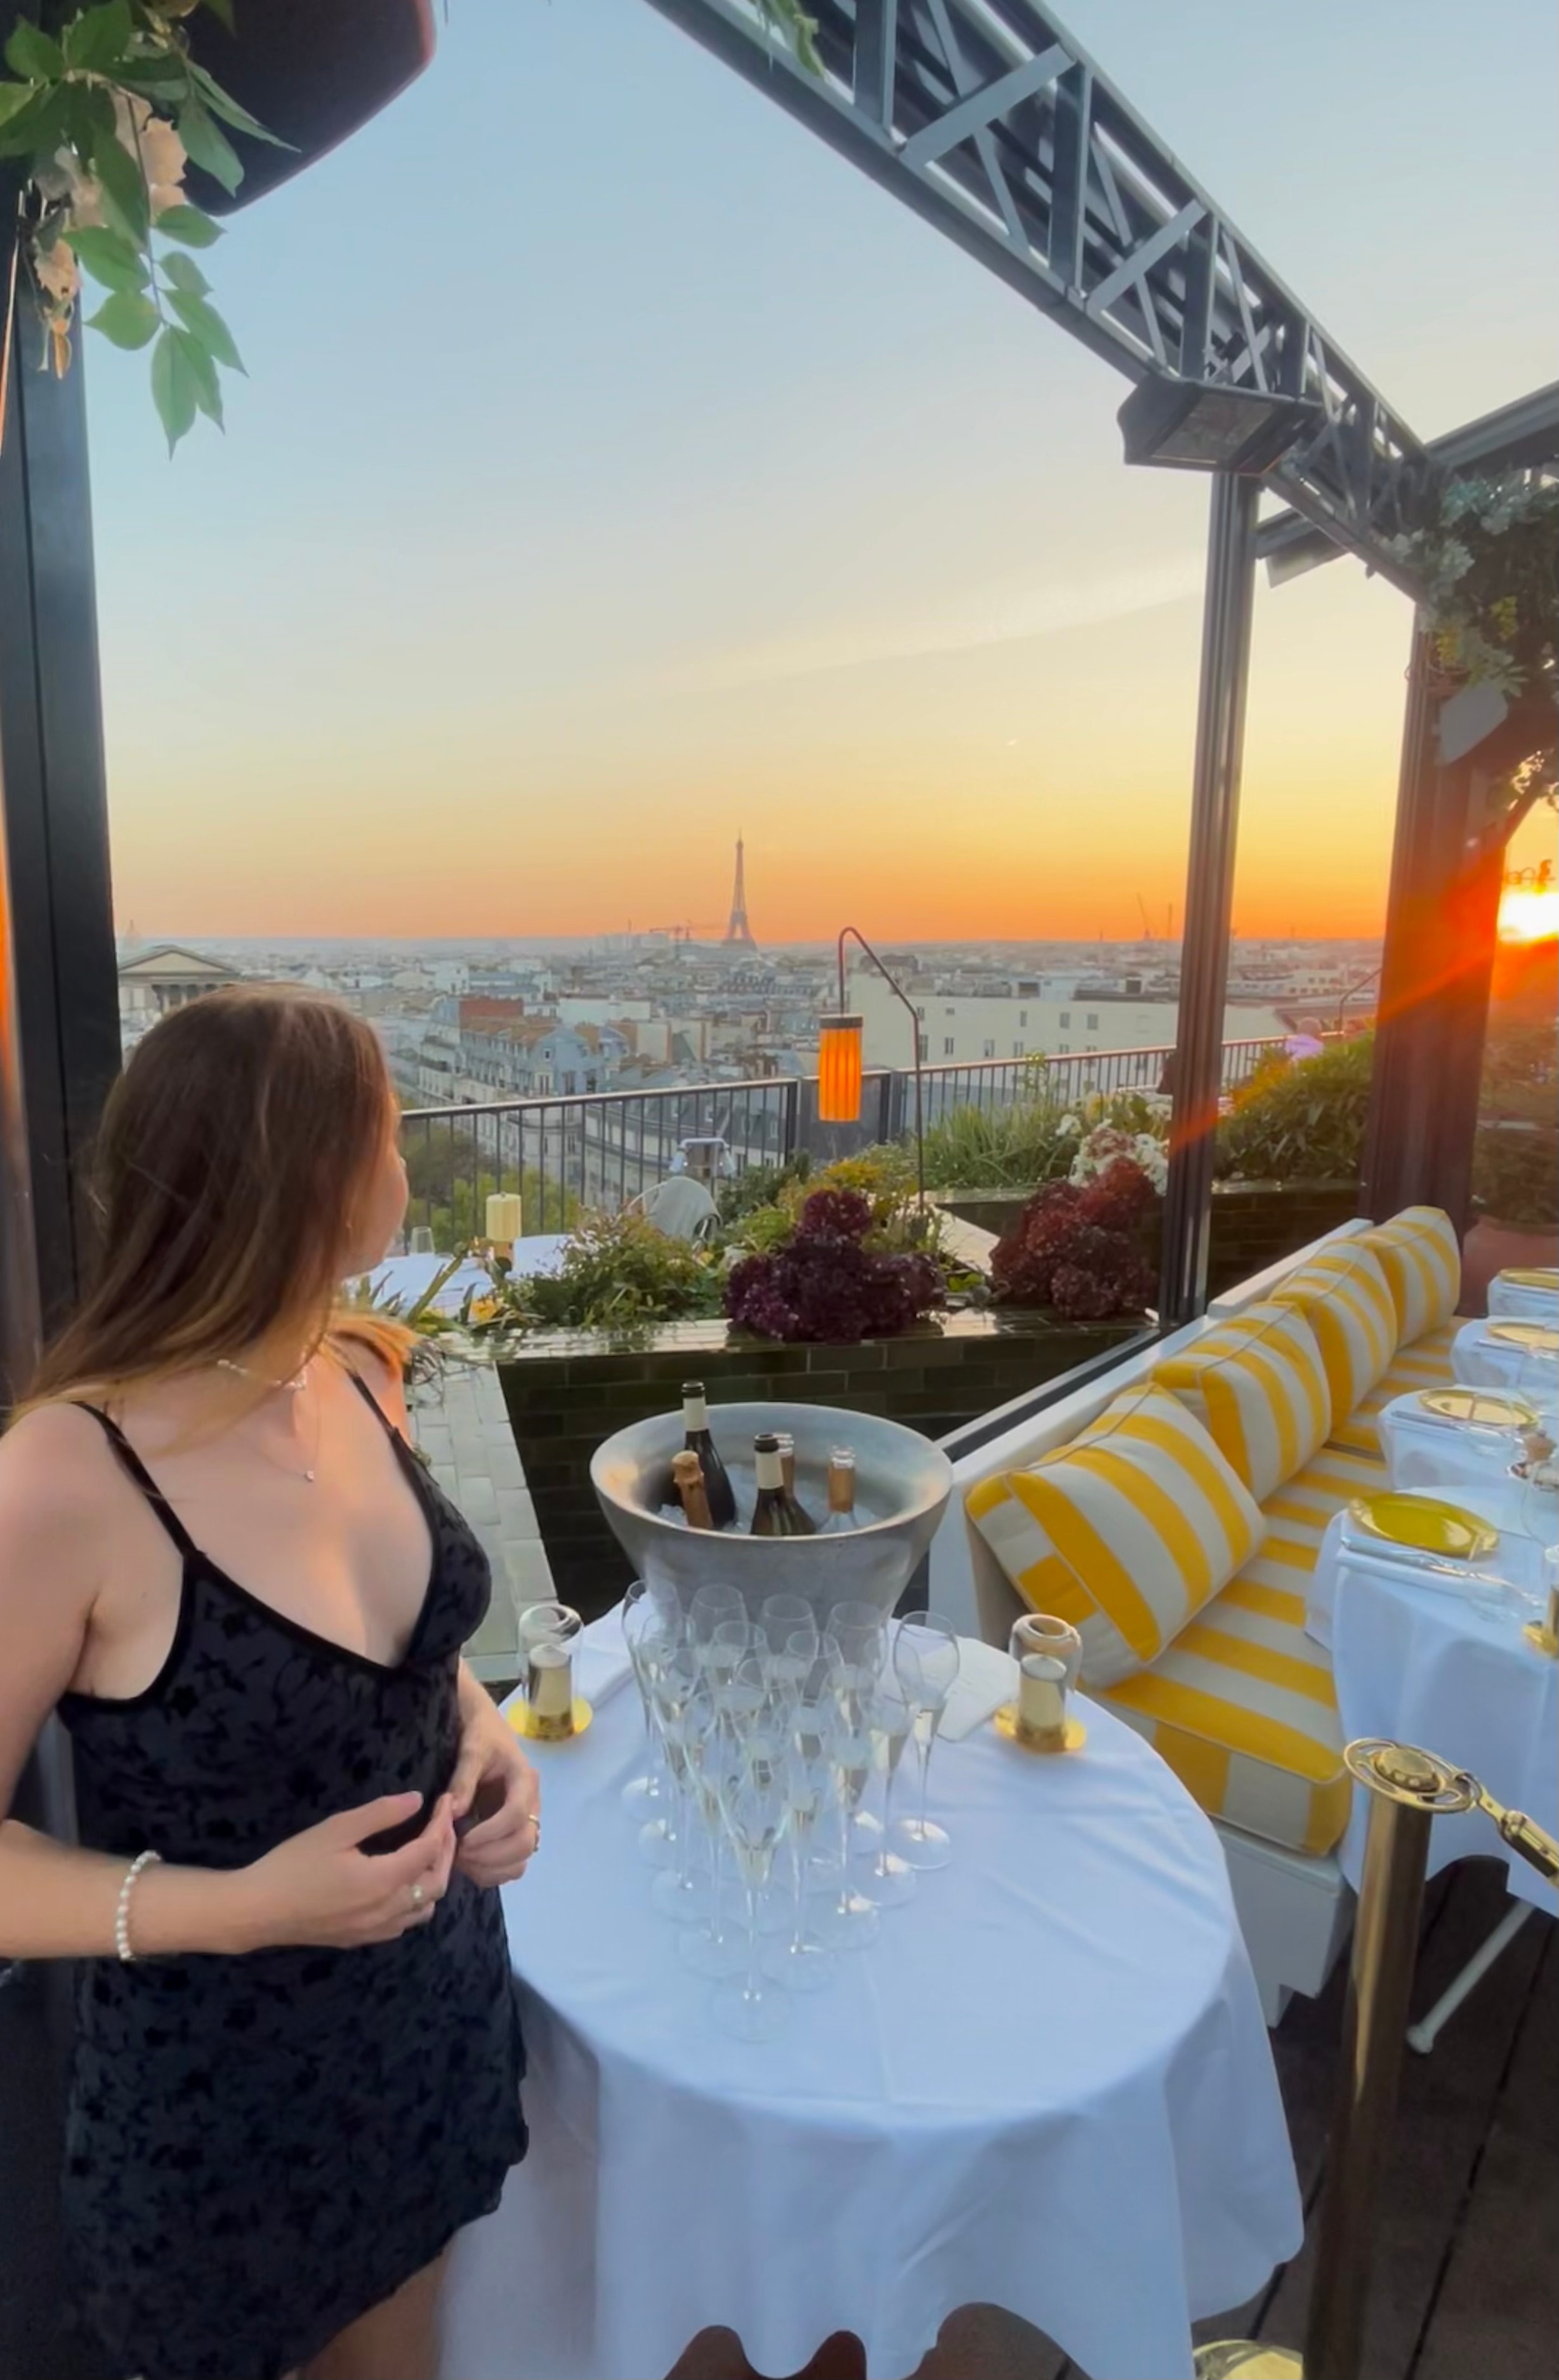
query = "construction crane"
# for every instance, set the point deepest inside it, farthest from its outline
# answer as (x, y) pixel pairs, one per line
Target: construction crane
(1147, 930)
(686, 931)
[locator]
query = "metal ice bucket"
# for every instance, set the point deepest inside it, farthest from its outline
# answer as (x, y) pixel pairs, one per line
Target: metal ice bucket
(902, 1486)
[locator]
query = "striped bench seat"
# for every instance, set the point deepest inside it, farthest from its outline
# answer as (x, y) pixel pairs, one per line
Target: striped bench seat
(1241, 1704)
(1425, 1364)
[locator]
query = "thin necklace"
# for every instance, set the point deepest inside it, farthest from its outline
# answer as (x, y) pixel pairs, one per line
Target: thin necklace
(294, 1386)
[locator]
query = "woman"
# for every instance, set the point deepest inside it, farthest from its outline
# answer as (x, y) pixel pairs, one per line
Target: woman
(297, 2063)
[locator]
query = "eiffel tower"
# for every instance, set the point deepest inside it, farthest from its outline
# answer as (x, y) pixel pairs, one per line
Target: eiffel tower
(739, 930)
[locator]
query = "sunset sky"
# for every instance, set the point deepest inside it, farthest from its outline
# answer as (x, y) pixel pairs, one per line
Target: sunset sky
(619, 468)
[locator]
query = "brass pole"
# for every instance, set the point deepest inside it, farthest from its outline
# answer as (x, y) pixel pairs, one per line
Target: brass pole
(1386, 1947)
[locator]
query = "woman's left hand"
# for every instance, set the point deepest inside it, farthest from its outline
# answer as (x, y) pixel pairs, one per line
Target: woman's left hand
(493, 1779)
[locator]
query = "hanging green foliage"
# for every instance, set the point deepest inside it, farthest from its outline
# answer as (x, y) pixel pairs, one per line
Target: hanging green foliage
(106, 111)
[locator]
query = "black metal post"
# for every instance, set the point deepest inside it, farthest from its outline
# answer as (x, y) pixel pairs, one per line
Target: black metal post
(55, 814)
(1204, 952)
(1441, 926)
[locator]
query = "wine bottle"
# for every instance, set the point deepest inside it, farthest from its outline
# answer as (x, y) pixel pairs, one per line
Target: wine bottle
(716, 1478)
(787, 1460)
(842, 1514)
(777, 1513)
(687, 1474)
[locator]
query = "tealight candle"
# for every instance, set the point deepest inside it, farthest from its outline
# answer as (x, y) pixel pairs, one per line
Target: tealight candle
(550, 1690)
(505, 1218)
(1041, 1698)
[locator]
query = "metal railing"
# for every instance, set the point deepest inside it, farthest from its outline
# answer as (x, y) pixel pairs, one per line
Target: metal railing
(603, 1150)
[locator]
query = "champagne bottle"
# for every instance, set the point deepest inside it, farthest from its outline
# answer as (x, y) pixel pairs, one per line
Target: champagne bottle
(687, 1474)
(842, 1515)
(777, 1513)
(716, 1478)
(787, 1460)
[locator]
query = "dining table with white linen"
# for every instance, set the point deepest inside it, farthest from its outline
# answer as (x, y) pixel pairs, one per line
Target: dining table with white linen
(1525, 1293)
(1046, 2086)
(1509, 1352)
(1434, 1653)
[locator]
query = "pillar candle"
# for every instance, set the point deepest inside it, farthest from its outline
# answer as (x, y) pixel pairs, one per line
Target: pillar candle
(504, 1218)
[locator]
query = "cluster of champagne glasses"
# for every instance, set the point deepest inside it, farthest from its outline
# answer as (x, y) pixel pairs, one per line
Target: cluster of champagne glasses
(769, 1807)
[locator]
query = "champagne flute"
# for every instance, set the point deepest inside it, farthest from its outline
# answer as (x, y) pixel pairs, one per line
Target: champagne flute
(926, 1663)
(889, 1722)
(676, 1689)
(647, 1632)
(781, 1616)
(754, 1801)
(850, 1919)
(710, 1946)
(710, 1606)
(801, 1963)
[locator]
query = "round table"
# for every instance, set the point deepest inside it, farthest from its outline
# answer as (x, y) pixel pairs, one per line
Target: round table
(1414, 1660)
(1047, 2086)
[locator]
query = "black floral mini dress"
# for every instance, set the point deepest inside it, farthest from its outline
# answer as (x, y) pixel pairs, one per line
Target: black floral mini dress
(260, 2148)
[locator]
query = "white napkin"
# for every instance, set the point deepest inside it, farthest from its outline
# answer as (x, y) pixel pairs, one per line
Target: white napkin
(987, 1678)
(601, 1669)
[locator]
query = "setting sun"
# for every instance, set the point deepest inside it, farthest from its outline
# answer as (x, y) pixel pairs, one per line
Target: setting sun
(1529, 913)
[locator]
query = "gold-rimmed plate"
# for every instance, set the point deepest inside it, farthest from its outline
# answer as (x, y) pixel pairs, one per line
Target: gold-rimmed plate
(1540, 1277)
(1423, 1525)
(1537, 1338)
(1478, 1408)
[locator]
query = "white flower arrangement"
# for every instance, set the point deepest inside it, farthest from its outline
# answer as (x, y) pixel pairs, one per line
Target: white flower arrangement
(1107, 1143)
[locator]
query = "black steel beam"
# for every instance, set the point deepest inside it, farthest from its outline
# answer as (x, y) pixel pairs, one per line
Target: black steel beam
(55, 815)
(1229, 602)
(1514, 437)
(990, 119)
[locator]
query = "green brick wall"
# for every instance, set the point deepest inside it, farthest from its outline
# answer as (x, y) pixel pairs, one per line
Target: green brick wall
(570, 1390)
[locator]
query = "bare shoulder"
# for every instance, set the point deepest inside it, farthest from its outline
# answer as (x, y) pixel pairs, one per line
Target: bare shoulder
(57, 1482)
(375, 1359)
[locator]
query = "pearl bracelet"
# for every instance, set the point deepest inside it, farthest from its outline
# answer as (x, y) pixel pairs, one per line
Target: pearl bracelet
(122, 1914)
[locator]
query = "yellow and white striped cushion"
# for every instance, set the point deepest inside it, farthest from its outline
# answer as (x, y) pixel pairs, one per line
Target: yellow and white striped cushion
(1242, 1708)
(1425, 1364)
(1257, 1384)
(1127, 1531)
(1421, 1259)
(1344, 1299)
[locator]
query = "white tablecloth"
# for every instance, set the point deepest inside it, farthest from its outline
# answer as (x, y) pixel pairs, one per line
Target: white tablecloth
(1488, 1362)
(1425, 1665)
(1047, 2086)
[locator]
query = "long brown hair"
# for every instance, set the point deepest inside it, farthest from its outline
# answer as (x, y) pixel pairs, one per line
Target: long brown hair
(232, 1152)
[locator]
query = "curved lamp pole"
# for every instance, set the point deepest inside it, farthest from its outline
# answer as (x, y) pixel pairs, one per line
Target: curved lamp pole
(839, 1057)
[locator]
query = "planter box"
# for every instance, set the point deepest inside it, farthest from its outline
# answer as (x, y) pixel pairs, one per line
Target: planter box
(1254, 1224)
(567, 1390)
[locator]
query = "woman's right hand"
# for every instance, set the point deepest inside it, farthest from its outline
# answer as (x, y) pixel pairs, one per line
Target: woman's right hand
(321, 1889)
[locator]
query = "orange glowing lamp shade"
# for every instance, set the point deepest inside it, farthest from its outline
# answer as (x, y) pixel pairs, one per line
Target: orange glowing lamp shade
(839, 1068)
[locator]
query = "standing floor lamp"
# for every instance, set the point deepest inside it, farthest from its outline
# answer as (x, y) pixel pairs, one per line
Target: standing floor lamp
(839, 1058)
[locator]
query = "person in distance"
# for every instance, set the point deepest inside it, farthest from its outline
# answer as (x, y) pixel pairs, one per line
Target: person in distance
(297, 2063)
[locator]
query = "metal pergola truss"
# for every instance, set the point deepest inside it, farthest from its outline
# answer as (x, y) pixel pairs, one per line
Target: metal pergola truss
(990, 119)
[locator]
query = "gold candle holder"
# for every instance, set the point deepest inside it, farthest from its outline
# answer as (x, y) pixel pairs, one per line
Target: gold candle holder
(549, 1710)
(1038, 1718)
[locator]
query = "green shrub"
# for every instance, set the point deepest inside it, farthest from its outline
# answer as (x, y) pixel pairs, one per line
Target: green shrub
(1300, 1120)
(619, 1273)
(998, 1149)
(1515, 1173)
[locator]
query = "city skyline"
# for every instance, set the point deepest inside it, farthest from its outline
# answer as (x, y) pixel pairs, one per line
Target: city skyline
(756, 505)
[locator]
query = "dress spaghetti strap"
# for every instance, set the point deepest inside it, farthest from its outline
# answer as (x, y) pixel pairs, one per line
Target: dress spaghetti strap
(131, 1463)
